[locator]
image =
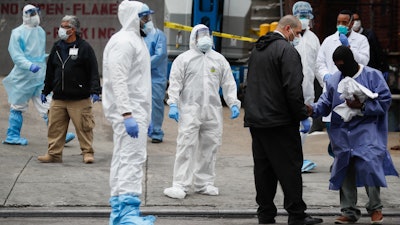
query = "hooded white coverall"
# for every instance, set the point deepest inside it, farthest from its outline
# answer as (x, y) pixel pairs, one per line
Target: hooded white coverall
(127, 89)
(195, 81)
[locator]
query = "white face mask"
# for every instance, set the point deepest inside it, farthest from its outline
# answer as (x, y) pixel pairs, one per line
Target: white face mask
(356, 25)
(296, 39)
(148, 27)
(62, 33)
(35, 21)
(204, 43)
(304, 23)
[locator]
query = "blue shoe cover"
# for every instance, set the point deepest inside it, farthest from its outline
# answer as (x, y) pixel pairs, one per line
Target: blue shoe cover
(307, 166)
(69, 137)
(15, 121)
(130, 213)
(15, 141)
(114, 215)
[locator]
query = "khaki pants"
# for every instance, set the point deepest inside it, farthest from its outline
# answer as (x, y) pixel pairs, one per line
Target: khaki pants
(60, 112)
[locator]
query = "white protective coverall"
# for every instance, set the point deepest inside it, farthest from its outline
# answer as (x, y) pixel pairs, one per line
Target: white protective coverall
(194, 85)
(308, 49)
(127, 88)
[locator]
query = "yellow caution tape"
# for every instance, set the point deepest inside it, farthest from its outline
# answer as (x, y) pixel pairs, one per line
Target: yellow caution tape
(178, 26)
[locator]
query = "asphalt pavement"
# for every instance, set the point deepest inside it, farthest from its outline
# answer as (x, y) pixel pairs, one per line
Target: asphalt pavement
(29, 188)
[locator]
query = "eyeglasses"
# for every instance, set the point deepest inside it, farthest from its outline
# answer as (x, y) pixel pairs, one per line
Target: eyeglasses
(32, 12)
(65, 27)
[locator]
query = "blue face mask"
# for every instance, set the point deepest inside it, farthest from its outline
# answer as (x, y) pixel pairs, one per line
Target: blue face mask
(342, 29)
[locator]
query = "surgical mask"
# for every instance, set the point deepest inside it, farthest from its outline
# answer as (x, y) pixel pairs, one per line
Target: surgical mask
(204, 43)
(356, 25)
(35, 20)
(296, 39)
(62, 33)
(295, 42)
(304, 23)
(148, 27)
(342, 29)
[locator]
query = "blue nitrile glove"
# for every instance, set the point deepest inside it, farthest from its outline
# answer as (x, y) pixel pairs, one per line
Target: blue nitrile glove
(344, 40)
(234, 112)
(34, 68)
(43, 98)
(94, 98)
(150, 129)
(173, 112)
(131, 127)
(327, 76)
(306, 125)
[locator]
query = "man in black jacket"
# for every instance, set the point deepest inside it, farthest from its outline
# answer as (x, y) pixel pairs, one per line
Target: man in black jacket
(73, 78)
(274, 106)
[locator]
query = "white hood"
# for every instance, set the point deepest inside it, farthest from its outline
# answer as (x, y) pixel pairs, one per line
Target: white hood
(128, 15)
(192, 41)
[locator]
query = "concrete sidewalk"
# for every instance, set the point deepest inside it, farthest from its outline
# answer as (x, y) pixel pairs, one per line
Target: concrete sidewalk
(28, 187)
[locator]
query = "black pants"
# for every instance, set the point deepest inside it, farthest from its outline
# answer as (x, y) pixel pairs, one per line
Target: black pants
(278, 156)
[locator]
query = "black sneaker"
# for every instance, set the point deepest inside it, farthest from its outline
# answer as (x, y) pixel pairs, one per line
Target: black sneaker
(156, 141)
(307, 221)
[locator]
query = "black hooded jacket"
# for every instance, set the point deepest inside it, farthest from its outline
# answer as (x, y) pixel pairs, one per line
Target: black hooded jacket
(72, 77)
(273, 94)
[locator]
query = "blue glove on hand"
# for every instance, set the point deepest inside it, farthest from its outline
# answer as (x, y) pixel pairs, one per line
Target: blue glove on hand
(344, 40)
(94, 98)
(306, 125)
(327, 76)
(173, 112)
(34, 68)
(234, 112)
(43, 98)
(131, 127)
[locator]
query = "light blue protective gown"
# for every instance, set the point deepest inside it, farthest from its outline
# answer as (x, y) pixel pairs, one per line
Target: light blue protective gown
(363, 138)
(26, 46)
(157, 44)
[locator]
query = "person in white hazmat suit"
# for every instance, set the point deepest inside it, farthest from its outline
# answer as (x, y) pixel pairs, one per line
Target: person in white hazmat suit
(25, 81)
(194, 100)
(308, 48)
(127, 105)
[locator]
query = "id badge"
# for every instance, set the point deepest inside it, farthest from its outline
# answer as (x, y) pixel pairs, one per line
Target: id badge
(73, 52)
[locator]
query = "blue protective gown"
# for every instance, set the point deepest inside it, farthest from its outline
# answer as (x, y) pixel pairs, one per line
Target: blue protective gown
(363, 138)
(26, 46)
(157, 44)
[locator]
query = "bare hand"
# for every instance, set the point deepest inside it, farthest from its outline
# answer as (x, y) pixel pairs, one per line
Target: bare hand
(354, 104)
(309, 110)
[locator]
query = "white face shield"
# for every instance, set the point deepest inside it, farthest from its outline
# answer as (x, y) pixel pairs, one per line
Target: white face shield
(203, 39)
(31, 15)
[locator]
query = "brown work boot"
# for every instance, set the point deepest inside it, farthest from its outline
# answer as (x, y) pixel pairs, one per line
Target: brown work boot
(344, 220)
(376, 217)
(49, 159)
(88, 158)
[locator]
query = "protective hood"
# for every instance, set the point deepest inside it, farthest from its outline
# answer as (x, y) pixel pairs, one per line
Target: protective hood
(128, 15)
(265, 40)
(27, 19)
(192, 41)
